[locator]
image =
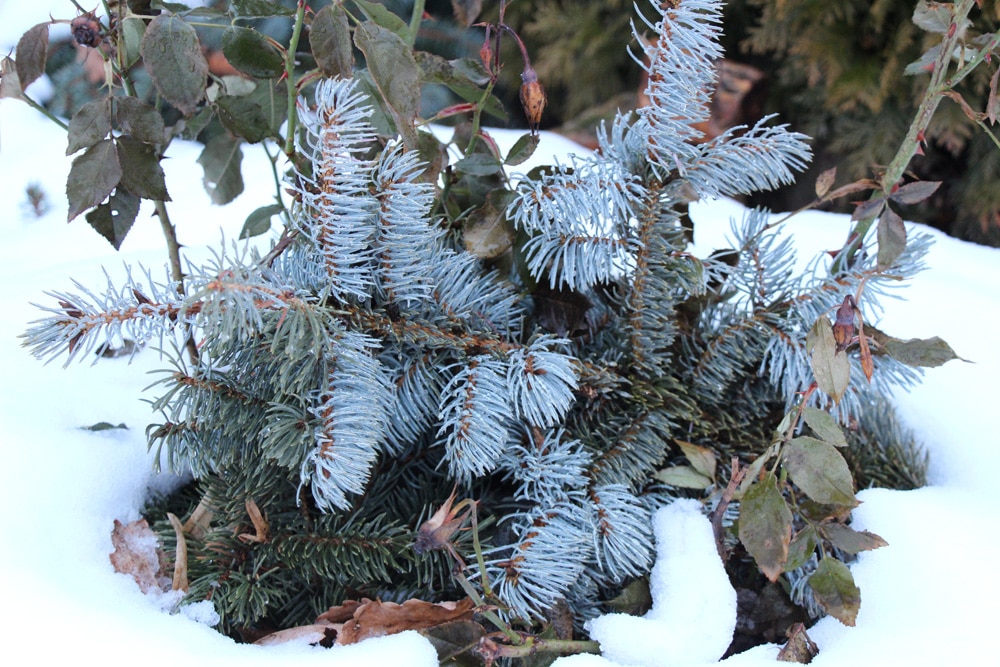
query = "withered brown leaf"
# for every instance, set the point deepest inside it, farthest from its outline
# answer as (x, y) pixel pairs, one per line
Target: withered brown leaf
(137, 553)
(376, 618)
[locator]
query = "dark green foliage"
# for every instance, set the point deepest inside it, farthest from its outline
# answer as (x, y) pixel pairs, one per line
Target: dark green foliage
(839, 73)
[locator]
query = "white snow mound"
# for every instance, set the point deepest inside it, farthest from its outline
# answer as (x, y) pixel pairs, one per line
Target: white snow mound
(694, 605)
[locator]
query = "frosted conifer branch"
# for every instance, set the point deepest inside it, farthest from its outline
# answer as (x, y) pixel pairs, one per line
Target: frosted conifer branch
(352, 412)
(338, 216)
(227, 302)
(466, 294)
(621, 525)
(552, 545)
(81, 321)
(640, 444)
(541, 382)
(578, 221)
(475, 413)
(681, 73)
(737, 162)
(418, 386)
(782, 308)
(546, 471)
(405, 240)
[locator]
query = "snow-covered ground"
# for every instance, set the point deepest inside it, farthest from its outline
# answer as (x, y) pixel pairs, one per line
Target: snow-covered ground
(929, 598)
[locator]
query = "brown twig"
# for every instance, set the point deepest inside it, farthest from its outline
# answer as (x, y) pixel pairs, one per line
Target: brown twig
(735, 479)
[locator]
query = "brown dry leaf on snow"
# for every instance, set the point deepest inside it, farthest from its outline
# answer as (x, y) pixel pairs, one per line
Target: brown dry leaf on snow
(137, 553)
(342, 612)
(310, 634)
(375, 618)
(354, 620)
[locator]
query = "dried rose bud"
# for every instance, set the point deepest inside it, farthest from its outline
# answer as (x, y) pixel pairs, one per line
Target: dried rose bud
(843, 328)
(87, 30)
(532, 98)
(437, 531)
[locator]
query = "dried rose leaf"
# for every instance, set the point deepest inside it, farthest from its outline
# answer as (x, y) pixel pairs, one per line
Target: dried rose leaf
(825, 181)
(800, 648)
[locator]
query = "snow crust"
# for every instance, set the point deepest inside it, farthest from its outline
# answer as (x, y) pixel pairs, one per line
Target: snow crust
(929, 598)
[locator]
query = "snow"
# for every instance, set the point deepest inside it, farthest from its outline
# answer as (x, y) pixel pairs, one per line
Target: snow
(927, 599)
(694, 605)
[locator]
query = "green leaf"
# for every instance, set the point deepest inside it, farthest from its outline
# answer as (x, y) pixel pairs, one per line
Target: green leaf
(92, 177)
(834, 589)
(173, 58)
(221, 160)
(849, 540)
(522, 149)
(259, 222)
(924, 63)
(891, 238)
(133, 28)
(924, 352)
(89, 125)
(920, 352)
(380, 119)
(330, 41)
(819, 470)
(141, 171)
(140, 120)
(915, 192)
(252, 53)
(190, 128)
(824, 426)
(181, 9)
(465, 77)
(801, 548)
(104, 426)
(479, 164)
(114, 218)
(635, 599)
(384, 18)
(271, 96)
(258, 9)
(702, 459)
(766, 526)
(434, 154)
(393, 69)
(937, 17)
(831, 368)
(31, 54)
(243, 117)
(684, 477)
(487, 233)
